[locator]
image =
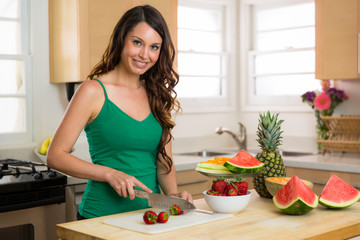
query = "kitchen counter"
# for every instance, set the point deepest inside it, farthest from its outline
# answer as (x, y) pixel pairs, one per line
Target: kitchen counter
(260, 220)
(343, 162)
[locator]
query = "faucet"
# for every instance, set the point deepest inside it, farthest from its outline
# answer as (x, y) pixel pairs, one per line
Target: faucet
(240, 139)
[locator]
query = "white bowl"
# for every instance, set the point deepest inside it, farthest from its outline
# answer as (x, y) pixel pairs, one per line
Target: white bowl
(227, 204)
(40, 156)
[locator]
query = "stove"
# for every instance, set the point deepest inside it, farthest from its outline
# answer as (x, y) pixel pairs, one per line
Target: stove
(28, 184)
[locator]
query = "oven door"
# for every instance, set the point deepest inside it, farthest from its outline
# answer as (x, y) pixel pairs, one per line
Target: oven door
(37, 223)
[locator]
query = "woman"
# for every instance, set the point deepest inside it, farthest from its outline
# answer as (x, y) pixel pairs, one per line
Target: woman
(126, 113)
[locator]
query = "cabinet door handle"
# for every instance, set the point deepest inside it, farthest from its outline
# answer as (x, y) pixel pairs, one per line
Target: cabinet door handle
(359, 53)
(192, 182)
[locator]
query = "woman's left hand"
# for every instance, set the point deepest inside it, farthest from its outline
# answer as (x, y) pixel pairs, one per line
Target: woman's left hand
(184, 195)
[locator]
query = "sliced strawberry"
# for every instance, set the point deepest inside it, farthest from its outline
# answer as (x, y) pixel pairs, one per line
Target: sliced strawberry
(219, 185)
(163, 217)
(232, 192)
(175, 210)
(150, 217)
(213, 193)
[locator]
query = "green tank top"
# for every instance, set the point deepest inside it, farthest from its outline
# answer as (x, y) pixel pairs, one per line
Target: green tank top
(118, 141)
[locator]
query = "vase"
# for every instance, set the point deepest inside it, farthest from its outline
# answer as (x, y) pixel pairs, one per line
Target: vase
(321, 128)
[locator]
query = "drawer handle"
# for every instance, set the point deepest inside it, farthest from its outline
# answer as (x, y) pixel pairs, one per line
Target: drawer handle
(193, 182)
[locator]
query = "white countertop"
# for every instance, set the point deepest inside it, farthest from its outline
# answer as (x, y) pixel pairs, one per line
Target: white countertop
(343, 162)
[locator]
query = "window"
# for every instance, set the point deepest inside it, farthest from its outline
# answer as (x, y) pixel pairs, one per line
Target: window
(15, 63)
(204, 44)
(281, 56)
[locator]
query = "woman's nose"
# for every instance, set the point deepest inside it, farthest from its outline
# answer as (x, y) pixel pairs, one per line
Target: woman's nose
(144, 52)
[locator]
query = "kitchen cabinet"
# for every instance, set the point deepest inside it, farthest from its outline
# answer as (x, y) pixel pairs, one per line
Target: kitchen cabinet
(193, 182)
(74, 195)
(337, 29)
(320, 177)
(80, 30)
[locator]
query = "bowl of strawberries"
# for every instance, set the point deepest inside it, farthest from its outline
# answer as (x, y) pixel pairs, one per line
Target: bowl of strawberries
(227, 196)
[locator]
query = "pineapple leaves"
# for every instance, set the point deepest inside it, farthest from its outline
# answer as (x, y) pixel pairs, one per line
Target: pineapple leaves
(268, 132)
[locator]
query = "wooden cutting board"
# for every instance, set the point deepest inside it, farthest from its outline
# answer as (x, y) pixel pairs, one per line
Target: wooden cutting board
(136, 223)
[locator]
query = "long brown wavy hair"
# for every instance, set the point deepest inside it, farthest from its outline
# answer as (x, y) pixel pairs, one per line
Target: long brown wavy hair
(159, 80)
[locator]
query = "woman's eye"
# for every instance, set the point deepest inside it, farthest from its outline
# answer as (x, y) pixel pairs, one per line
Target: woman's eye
(137, 42)
(155, 47)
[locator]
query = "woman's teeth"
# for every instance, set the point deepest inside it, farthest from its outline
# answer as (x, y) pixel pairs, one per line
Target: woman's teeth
(140, 63)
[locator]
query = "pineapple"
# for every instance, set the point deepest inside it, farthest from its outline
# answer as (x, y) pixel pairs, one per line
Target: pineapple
(269, 139)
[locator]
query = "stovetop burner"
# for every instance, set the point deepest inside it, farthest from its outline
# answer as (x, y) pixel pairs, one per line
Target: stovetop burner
(12, 167)
(26, 184)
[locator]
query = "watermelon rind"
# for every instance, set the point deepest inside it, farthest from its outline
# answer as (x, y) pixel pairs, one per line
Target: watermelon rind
(296, 207)
(241, 169)
(335, 205)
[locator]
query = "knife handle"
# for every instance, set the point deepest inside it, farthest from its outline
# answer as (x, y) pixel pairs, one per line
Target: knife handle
(141, 194)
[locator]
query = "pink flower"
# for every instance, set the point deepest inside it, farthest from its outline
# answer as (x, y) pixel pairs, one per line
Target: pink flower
(322, 101)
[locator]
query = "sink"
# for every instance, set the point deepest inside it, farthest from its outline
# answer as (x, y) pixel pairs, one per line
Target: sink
(204, 153)
(212, 153)
(295, 153)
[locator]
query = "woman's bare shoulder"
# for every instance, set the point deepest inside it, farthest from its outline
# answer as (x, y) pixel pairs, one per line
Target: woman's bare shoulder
(87, 100)
(90, 89)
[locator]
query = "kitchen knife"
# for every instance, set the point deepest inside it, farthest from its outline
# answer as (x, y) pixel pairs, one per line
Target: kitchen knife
(165, 202)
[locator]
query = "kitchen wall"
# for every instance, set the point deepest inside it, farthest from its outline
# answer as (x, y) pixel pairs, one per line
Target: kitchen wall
(193, 130)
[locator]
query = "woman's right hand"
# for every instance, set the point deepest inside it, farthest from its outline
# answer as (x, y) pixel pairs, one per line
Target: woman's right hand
(124, 184)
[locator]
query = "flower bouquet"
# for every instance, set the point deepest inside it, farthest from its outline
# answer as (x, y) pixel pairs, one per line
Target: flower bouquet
(324, 103)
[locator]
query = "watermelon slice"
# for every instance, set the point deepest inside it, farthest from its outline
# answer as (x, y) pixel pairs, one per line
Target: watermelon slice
(338, 194)
(295, 197)
(244, 162)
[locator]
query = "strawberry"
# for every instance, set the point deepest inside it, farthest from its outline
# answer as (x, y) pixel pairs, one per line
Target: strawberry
(150, 217)
(232, 192)
(242, 186)
(219, 185)
(163, 217)
(230, 186)
(175, 210)
(213, 193)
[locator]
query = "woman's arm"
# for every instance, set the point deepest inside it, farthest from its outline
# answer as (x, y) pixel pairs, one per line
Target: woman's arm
(83, 108)
(167, 181)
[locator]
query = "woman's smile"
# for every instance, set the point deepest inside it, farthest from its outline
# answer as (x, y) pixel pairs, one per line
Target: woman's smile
(139, 63)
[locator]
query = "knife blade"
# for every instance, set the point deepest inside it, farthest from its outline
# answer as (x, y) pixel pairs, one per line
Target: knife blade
(165, 202)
